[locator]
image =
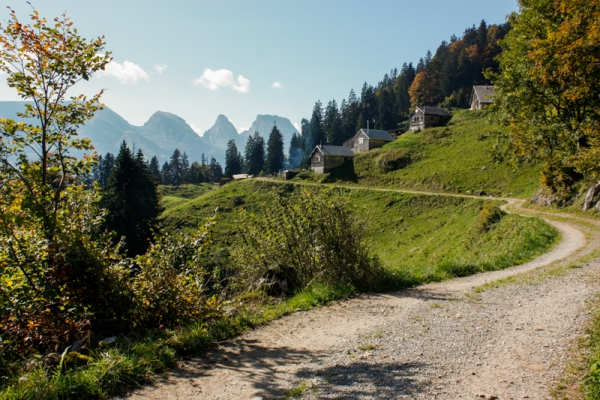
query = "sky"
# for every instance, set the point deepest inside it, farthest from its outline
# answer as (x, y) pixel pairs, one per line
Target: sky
(198, 59)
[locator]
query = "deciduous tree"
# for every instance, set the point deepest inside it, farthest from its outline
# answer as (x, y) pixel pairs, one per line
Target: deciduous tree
(548, 89)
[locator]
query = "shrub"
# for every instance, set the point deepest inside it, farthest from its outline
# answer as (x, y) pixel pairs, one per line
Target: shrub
(308, 237)
(173, 284)
(489, 216)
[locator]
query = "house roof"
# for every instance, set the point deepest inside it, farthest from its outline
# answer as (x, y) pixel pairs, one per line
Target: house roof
(434, 111)
(376, 134)
(485, 93)
(334, 151)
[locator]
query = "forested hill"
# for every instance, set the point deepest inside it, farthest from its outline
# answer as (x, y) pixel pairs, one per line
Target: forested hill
(443, 79)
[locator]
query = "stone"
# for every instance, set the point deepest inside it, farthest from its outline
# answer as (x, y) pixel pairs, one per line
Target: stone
(109, 340)
(591, 195)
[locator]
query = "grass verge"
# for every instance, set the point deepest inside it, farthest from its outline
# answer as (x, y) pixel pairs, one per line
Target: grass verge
(134, 360)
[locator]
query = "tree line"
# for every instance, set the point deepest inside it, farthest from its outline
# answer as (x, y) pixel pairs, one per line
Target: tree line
(175, 172)
(444, 79)
(259, 157)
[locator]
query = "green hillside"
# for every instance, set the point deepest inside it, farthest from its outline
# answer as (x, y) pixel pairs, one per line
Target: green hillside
(418, 238)
(455, 158)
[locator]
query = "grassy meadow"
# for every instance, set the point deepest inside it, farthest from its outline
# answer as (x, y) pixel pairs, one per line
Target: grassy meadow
(454, 158)
(418, 238)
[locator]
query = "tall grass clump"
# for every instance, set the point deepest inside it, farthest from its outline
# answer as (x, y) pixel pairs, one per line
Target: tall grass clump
(309, 237)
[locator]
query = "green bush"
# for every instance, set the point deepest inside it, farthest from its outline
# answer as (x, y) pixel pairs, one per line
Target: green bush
(309, 237)
(489, 216)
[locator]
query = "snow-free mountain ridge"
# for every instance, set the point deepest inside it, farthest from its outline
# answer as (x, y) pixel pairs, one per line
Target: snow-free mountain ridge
(164, 132)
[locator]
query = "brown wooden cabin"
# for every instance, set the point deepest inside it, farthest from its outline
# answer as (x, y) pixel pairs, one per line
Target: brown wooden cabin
(482, 96)
(325, 158)
(424, 117)
(367, 139)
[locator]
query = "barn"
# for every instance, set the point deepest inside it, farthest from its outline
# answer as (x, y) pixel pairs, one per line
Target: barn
(482, 96)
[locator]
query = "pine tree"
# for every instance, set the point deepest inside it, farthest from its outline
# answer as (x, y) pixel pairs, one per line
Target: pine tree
(233, 160)
(154, 169)
(317, 133)
(176, 168)
(255, 154)
(185, 168)
(132, 201)
(165, 174)
(216, 171)
(332, 123)
(275, 156)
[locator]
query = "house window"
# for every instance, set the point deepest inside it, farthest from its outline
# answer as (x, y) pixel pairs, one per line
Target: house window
(361, 140)
(318, 158)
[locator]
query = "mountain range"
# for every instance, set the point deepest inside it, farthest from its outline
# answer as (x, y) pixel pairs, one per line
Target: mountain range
(164, 132)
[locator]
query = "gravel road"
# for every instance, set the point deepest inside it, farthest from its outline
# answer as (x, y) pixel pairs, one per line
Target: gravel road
(434, 341)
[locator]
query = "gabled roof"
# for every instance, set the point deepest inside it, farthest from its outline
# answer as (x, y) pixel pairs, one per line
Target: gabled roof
(485, 93)
(376, 134)
(434, 111)
(334, 151)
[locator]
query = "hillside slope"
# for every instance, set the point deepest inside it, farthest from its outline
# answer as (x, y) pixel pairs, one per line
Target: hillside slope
(455, 158)
(419, 238)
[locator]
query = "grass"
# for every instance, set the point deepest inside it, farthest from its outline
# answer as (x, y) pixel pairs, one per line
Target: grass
(174, 196)
(135, 360)
(418, 238)
(455, 158)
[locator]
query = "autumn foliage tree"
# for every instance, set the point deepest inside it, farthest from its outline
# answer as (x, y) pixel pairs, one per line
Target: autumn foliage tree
(548, 87)
(48, 262)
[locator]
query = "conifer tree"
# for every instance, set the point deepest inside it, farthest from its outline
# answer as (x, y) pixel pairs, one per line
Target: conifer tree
(255, 154)
(132, 201)
(275, 156)
(233, 160)
(154, 168)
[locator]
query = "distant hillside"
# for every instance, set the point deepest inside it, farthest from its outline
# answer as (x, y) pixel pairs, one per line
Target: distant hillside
(454, 158)
(164, 132)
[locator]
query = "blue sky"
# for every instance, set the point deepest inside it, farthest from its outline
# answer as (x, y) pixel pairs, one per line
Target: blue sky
(240, 58)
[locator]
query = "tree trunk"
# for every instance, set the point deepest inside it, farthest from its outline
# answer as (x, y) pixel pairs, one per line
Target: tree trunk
(590, 196)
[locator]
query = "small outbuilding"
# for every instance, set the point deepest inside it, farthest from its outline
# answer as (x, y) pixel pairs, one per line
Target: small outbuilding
(482, 96)
(424, 117)
(325, 158)
(367, 139)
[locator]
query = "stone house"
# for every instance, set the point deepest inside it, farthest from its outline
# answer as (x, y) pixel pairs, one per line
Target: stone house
(367, 139)
(482, 96)
(424, 117)
(325, 158)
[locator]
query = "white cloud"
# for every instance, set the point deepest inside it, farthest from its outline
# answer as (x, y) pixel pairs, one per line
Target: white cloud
(276, 85)
(160, 67)
(126, 72)
(223, 78)
(297, 126)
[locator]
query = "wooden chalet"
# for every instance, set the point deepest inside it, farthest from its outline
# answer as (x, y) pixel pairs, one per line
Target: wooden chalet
(325, 158)
(367, 139)
(482, 96)
(424, 117)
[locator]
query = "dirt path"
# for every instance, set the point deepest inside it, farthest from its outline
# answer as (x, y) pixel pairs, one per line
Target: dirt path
(433, 341)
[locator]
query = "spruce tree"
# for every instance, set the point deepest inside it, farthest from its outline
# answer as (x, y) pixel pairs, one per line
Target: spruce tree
(132, 202)
(176, 168)
(165, 174)
(154, 169)
(275, 156)
(216, 171)
(233, 161)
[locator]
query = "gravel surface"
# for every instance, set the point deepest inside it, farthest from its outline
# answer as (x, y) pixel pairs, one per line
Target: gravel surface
(435, 341)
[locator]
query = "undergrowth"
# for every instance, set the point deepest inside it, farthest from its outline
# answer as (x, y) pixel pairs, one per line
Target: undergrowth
(134, 360)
